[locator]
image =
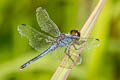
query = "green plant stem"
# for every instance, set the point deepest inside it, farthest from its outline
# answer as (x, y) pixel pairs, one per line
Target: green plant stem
(66, 65)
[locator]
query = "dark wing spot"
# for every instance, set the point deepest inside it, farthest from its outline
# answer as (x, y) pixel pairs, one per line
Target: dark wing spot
(23, 24)
(97, 39)
(42, 8)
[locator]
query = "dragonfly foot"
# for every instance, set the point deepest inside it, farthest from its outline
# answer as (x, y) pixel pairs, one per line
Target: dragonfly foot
(70, 57)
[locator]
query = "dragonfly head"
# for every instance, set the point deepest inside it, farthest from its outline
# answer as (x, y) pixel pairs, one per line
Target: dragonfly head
(75, 33)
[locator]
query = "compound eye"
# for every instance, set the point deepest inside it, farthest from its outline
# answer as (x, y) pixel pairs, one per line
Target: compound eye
(75, 32)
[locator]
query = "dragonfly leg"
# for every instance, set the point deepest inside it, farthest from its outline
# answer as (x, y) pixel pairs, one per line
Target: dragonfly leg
(79, 61)
(76, 47)
(67, 51)
(79, 55)
(70, 57)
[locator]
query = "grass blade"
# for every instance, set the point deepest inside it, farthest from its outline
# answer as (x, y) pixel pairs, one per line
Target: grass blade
(66, 66)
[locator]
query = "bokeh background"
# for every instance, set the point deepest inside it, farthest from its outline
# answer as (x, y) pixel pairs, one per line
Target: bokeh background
(100, 63)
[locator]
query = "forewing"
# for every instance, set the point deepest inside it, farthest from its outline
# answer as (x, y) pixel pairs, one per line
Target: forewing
(90, 43)
(37, 40)
(45, 23)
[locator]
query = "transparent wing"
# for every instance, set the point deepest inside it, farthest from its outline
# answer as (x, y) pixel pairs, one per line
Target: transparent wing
(62, 51)
(59, 53)
(90, 43)
(45, 23)
(37, 39)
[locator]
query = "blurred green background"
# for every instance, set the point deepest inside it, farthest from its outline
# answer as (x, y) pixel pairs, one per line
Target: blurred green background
(100, 63)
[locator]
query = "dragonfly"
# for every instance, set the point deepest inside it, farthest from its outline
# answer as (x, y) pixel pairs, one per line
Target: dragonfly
(50, 38)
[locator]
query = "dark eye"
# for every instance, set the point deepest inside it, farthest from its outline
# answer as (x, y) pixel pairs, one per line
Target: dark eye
(78, 34)
(75, 32)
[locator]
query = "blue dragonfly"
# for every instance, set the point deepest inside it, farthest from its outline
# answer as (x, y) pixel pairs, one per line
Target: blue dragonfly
(50, 37)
